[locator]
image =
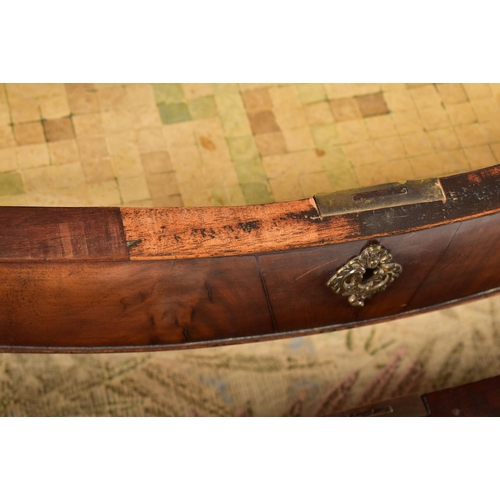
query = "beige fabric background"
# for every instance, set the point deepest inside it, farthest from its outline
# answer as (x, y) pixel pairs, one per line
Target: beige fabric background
(224, 144)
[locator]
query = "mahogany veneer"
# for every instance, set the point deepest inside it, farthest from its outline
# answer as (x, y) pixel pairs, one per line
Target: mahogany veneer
(117, 279)
(477, 399)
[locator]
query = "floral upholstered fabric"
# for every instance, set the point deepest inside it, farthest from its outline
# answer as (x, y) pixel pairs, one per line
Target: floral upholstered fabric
(305, 376)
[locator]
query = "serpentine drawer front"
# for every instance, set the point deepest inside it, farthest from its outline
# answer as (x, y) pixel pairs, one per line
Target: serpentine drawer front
(117, 279)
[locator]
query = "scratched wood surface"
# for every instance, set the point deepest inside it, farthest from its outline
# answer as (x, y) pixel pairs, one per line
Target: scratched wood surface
(225, 275)
(192, 232)
(194, 302)
(30, 233)
(183, 233)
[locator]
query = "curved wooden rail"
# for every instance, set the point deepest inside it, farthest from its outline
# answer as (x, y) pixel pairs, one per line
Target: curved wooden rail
(118, 279)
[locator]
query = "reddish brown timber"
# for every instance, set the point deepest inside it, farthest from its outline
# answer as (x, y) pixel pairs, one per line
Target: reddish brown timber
(34, 233)
(194, 232)
(188, 302)
(219, 275)
(131, 303)
(477, 399)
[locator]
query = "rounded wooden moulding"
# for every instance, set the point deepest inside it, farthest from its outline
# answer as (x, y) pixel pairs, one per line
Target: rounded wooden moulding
(131, 279)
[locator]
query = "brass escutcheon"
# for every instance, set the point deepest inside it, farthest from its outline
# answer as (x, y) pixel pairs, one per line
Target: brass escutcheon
(370, 272)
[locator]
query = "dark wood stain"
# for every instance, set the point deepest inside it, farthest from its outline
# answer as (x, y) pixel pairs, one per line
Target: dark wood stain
(293, 225)
(478, 399)
(219, 275)
(31, 233)
(129, 303)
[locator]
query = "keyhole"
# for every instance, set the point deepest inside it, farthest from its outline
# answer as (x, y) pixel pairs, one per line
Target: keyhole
(368, 274)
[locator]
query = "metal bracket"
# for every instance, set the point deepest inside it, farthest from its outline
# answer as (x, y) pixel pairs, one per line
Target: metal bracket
(395, 194)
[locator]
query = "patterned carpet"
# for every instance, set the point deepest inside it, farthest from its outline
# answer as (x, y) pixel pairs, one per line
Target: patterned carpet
(229, 144)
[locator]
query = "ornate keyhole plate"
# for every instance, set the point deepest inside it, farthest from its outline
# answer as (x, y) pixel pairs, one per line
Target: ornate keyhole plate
(362, 277)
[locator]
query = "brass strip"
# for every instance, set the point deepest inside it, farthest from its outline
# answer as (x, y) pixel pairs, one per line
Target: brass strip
(395, 194)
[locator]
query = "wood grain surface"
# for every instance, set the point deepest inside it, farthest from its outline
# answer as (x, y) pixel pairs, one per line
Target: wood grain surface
(131, 304)
(184, 233)
(211, 301)
(33, 233)
(478, 399)
(210, 276)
